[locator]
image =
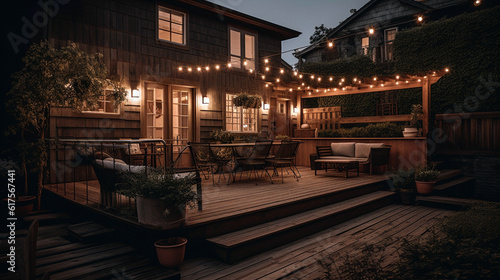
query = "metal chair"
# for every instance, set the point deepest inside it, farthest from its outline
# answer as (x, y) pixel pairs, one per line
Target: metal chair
(257, 159)
(285, 158)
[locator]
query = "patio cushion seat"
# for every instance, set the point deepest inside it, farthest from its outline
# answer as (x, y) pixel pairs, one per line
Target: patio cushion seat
(362, 150)
(360, 159)
(343, 149)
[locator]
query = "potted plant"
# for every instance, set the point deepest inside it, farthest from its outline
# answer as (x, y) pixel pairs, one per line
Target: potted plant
(404, 183)
(161, 197)
(170, 251)
(411, 128)
(425, 179)
(14, 176)
(222, 136)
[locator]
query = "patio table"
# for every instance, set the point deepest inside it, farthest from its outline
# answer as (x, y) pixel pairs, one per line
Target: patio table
(338, 164)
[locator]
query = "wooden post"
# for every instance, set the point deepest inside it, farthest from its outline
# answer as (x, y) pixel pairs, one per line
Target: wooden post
(299, 107)
(426, 105)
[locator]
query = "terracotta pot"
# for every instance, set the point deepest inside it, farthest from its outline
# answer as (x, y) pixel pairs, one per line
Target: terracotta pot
(170, 251)
(425, 187)
(407, 196)
(150, 211)
(24, 205)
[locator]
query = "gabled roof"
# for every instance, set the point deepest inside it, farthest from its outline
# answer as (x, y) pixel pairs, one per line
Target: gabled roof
(356, 15)
(285, 32)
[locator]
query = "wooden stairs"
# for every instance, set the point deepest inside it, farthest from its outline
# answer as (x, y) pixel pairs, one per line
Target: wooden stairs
(235, 244)
(452, 190)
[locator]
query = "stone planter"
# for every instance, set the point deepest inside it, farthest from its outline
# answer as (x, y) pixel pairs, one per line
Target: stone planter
(410, 132)
(150, 212)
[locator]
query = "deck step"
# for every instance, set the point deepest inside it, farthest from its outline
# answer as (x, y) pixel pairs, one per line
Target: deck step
(445, 202)
(448, 174)
(90, 232)
(454, 183)
(235, 246)
(47, 218)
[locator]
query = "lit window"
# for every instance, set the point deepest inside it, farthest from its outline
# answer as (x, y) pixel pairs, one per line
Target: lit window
(365, 45)
(390, 35)
(239, 119)
(105, 104)
(171, 26)
(242, 48)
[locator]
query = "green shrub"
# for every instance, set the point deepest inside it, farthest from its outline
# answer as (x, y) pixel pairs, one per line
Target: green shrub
(372, 130)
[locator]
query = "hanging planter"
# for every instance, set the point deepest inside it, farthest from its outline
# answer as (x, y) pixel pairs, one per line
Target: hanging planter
(247, 101)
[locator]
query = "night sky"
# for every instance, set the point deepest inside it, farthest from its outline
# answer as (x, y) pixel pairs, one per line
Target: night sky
(300, 15)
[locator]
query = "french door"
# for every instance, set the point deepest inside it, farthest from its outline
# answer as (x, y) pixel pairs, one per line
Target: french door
(169, 114)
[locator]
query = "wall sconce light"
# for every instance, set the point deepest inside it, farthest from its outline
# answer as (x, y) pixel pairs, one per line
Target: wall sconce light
(371, 30)
(206, 100)
(295, 110)
(136, 93)
(266, 106)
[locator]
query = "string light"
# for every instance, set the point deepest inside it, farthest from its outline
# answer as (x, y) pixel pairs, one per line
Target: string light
(319, 79)
(420, 18)
(355, 79)
(180, 69)
(309, 93)
(217, 67)
(198, 68)
(267, 69)
(295, 73)
(190, 69)
(229, 65)
(397, 77)
(331, 79)
(477, 3)
(374, 78)
(446, 70)
(334, 89)
(245, 63)
(342, 80)
(303, 84)
(267, 85)
(291, 90)
(312, 77)
(207, 68)
(251, 71)
(278, 80)
(371, 86)
(263, 77)
(282, 71)
(419, 80)
(330, 44)
(266, 60)
(371, 30)
(300, 76)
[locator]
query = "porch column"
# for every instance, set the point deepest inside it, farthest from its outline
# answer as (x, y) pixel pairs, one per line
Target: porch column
(426, 105)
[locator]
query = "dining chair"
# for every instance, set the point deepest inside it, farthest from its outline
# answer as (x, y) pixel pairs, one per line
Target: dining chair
(285, 158)
(256, 160)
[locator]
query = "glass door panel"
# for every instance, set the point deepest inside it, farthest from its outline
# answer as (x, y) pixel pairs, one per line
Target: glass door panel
(155, 112)
(180, 117)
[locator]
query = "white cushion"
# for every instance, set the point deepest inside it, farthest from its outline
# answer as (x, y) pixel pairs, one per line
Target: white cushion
(363, 149)
(343, 149)
(360, 159)
(109, 164)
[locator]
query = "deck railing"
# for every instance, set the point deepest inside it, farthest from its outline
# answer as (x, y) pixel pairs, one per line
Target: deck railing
(72, 175)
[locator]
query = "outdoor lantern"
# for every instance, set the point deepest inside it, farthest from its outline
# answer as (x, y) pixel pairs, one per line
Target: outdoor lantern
(205, 100)
(136, 93)
(266, 106)
(296, 110)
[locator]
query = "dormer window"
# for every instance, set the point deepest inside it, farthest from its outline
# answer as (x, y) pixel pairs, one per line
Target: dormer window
(171, 26)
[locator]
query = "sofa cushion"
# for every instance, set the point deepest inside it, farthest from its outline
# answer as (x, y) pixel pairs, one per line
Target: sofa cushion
(363, 149)
(343, 149)
(360, 159)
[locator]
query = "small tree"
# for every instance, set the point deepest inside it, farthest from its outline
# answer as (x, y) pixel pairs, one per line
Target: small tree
(65, 77)
(319, 33)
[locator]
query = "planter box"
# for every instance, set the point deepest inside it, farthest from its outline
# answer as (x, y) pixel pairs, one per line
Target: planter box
(304, 133)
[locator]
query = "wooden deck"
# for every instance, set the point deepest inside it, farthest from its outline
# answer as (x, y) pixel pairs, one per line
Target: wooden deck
(298, 260)
(222, 201)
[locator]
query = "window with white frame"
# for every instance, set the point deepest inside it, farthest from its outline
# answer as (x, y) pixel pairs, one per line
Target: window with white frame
(390, 35)
(239, 119)
(242, 49)
(171, 26)
(105, 104)
(365, 45)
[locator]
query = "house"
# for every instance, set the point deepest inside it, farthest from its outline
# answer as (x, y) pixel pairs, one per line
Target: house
(182, 62)
(371, 30)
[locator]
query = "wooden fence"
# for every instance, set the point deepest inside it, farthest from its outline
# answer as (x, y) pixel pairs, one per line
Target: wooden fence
(322, 118)
(469, 133)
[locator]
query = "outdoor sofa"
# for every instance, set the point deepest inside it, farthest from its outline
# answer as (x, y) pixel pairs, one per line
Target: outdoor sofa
(370, 154)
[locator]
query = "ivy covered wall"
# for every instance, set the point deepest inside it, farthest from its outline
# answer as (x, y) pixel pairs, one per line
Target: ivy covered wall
(469, 45)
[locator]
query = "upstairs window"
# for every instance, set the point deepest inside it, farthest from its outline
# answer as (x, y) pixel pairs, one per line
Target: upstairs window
(365, 45)
(171, 26)
(242, 49)
(390, 35)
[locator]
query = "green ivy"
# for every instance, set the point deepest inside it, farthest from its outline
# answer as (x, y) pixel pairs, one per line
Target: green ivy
(468, 45)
